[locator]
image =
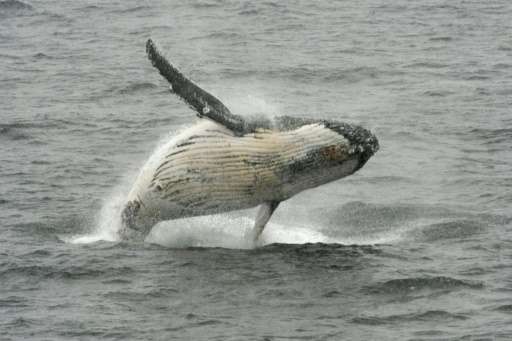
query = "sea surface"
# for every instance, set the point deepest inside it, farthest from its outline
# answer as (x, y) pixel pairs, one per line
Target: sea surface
(417, 245)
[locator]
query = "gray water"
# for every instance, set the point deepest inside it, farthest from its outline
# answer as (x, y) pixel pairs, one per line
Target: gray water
(415, 246)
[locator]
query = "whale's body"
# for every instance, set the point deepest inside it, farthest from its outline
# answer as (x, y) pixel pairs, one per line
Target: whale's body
(226, 163)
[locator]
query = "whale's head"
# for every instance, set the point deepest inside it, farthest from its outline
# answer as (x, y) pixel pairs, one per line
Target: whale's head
(330, 151)
(358, 144)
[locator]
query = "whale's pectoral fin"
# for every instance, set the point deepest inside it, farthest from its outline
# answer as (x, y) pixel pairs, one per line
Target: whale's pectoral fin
(262, 217)
(204, 103)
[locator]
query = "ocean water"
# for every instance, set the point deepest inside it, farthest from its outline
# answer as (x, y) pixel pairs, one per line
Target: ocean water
(417, 245)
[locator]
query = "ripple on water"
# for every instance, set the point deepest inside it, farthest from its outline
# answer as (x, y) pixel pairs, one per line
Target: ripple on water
(131, 10)
(506, 308)
(71, 272)
(415, 284)
(11, 6)
(492, 136)
(459, 229)
(141, 295)
(14, 301)
(12, 132)
(430, 315)
(371, 216)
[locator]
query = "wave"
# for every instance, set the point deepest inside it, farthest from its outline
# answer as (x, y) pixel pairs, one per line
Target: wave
(442, 38)
(68, 272)
(427, 65)
(438, 93)
(131, 10)
(313, 73)
(357, 216)
(12, 132)
(423, 223)
(506, 308)
(448, 230)
(492, 136)
(413, 284)
(14, 5)
(136, 87)
(24, 125)
(220, 35)
(206, 4)
(9, 56)
(250, 12)
(130, 89)
(20, 322)
(91, 8)
(14, 302)
(41, 55)
(427, 316)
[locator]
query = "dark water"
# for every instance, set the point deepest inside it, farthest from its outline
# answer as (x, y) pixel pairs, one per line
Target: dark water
(415, 246)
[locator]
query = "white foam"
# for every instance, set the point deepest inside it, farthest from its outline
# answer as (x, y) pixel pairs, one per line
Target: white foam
(227, 231)
(222, 230)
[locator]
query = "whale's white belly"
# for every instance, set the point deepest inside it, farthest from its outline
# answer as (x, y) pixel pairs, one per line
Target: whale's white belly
(207, 169)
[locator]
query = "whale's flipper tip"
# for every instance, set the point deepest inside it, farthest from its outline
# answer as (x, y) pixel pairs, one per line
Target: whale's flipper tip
(204, 103)
(262, 217)
(152, 50)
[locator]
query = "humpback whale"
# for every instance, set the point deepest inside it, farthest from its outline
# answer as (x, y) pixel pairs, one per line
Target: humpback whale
(227, 162)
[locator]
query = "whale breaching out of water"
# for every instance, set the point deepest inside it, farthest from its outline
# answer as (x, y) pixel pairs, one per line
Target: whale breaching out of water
(227, 162)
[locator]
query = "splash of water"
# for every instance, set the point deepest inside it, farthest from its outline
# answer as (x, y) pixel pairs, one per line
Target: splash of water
(222, 230)
(108, 220)
(248, 104)
(228, 231)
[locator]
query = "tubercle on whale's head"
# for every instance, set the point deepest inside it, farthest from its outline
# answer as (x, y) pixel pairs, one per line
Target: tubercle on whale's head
(363, 144)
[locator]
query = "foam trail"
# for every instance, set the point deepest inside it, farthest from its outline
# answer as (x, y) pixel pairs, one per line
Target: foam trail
(227, 231)
(220, 230)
